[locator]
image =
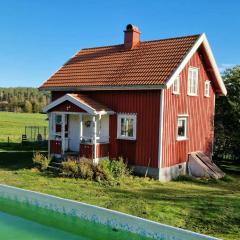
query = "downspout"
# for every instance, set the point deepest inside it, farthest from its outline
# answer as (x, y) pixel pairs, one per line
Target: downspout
(160, 146)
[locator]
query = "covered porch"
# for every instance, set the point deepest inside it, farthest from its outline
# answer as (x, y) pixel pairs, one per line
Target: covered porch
(78, 125)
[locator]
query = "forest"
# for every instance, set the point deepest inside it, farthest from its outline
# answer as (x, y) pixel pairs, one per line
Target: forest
(23, 99)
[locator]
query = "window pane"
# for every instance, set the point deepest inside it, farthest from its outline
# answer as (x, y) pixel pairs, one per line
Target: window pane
(58, 119)
(181, 127)
(130, 127)
(123, 126)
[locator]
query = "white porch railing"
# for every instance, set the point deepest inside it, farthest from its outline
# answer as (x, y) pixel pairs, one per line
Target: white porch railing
(90, 139)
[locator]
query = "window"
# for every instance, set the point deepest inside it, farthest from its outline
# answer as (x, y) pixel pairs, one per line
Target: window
(58, 119)
(176, 85)
(192, 81)
(207, 88)
(126, 126)
(182, 128)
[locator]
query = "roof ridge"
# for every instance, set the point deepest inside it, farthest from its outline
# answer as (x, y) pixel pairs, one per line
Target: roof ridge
(146, 41)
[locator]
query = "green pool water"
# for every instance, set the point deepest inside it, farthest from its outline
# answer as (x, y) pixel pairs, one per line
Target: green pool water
(27, 222)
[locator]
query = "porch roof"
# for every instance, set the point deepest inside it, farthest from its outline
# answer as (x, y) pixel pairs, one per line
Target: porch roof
(81, 101)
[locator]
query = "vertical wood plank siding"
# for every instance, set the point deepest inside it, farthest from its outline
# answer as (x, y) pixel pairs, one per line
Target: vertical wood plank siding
(200, 121)
(146, 105)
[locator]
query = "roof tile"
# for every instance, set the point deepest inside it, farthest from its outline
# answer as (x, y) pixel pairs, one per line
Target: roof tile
(150, 64)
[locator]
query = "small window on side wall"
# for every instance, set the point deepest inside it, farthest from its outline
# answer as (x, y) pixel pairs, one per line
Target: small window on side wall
(207, 88)
(126, 126)
(176, 85)
(192, 81)
(182, 128)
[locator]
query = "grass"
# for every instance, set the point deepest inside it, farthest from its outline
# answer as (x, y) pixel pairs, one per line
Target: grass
(206, 206)
(209, 207)
(12, 125)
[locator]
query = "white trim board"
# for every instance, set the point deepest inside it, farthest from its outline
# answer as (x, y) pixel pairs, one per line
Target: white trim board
(201, 40)
(160, 144)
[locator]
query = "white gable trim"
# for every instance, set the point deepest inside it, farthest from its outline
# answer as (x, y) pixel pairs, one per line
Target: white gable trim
(201, 40)
(75, 101)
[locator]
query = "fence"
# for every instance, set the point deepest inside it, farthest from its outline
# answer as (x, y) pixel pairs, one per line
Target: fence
(36, 133)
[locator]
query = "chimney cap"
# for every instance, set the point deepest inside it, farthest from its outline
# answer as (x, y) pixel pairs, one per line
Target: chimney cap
(131, 27)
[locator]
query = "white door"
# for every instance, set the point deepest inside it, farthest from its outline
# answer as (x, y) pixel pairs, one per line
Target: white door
(74, 132)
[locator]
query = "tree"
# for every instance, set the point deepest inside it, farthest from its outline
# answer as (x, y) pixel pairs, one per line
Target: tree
(27, 107)
(227, 118)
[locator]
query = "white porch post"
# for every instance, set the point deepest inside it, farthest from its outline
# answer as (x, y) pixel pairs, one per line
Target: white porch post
(63, 132)
(94, 140)
(49, 132)
(81, 126)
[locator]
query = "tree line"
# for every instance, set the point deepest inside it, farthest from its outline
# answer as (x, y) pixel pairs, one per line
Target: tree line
(21, 99)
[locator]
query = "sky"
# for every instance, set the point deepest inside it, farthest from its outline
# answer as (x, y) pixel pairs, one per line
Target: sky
(38, 36)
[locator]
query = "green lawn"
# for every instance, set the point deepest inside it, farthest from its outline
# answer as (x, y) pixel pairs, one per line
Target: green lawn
(12, 125)
(210, 207)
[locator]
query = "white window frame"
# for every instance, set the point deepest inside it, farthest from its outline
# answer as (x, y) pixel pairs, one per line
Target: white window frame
(191, 90)
(207, 88)
(185, 118)
(176, 85)
(129, 116)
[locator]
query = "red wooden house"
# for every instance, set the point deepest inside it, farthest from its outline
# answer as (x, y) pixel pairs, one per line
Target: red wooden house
(151, 102)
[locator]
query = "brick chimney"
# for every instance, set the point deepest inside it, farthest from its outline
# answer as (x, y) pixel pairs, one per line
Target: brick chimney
(131, 37)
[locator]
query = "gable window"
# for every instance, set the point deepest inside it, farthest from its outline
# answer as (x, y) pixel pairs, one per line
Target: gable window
(182, 127)
(126, 126)
(192, 81)
(207, 88)
(176, 85)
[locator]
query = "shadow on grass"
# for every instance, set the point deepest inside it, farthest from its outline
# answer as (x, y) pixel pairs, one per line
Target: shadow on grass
(15, 160)
(27, 146)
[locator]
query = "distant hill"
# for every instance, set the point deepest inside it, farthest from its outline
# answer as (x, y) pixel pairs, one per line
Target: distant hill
(23, 99)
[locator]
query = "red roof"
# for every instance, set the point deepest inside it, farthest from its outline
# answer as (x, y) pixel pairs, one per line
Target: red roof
(150, 64)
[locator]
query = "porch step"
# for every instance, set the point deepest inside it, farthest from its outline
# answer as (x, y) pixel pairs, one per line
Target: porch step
(200, 165)
(54, 169)
(56, 165)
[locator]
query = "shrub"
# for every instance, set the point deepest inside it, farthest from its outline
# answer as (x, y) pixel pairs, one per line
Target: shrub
(114, 169)
(70, 168)
(86, 169)
(40, 161)
(111, 171)
(78, 169)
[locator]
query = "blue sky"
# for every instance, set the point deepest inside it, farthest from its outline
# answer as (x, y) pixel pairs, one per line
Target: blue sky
(37, 37)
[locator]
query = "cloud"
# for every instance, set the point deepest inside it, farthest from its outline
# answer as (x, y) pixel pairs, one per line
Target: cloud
(222, 67)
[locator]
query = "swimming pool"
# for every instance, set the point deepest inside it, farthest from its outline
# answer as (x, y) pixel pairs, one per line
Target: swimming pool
(26, 215)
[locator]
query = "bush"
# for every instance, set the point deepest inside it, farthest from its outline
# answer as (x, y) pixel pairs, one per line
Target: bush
(78, 169)
(70, 168)
(40, 161)
(86, 169)
(111, 171)
(114, 169)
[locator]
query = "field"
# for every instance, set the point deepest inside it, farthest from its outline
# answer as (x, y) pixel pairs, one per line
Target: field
(206, 206)
(12, 124)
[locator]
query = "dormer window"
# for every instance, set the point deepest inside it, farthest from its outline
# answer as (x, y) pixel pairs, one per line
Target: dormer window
(176, 85)
(192, 81)
(207, 88)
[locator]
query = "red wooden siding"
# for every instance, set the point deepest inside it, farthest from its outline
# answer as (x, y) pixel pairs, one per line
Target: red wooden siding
(67, 106)
(200, 121)
(102, 150)
(146, 104)
(86, 150)
(55, 147)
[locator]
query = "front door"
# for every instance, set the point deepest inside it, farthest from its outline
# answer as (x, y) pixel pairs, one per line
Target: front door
(74, 132)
